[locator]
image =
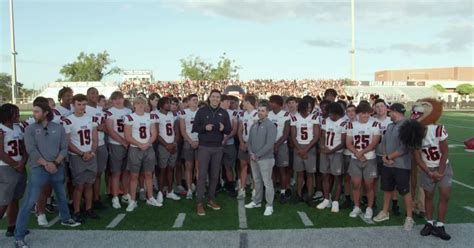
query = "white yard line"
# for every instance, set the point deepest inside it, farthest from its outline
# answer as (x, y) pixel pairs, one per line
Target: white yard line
(116, 221)
(53, 221)
(242, 215)
(178, 223)
(463, 184)
(469, 208)
(305, 219)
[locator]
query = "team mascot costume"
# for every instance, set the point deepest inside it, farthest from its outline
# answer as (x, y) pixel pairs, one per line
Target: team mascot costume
(430, 164)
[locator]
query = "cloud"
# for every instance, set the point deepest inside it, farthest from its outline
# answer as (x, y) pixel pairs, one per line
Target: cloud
(458, 37)
(7, 59)
(327, 43)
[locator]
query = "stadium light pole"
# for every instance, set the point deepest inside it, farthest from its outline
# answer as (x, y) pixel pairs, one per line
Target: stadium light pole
(14, 53)
(353, 72)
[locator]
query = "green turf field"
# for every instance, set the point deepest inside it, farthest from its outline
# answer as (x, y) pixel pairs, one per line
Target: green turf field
(460, 126)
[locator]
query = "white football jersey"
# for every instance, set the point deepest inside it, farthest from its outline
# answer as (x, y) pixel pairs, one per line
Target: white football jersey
(233, 115)
(12, 142)
(118, 117)
(99, 113)
(430, 152)
(166, 126)
(247, 120)
(80, 131)
(188, 116)
(334, 131)
(64, 112)
(383, 128)
(141, 126)
(304, 127)
(362, 134)
(279, 120)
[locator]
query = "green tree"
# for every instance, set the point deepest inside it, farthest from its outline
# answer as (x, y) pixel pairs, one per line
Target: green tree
(89, 67)
(439, 88)
(6, 88)
(465, 89)
(195, 68)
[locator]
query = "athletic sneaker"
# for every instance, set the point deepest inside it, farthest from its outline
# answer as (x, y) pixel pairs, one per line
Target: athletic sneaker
(324, 204)
(153, 202)
(369, 213)
(77, 217)
(253, 205)
(142, 195)
(70, 223)
(159, 197)
(90, 214)
(180, 190)
(116, 203)
(241, 195)
(382, 216)
(189, 195)
(200, 209)
(355, 212)
(409, 223)
(438, 231)
(50, 208)
(426, 231)
(335, 207)
(126, 198)
(268, 211)
(171, 195)
(318, 195)
(213, 205)
(21, 244)
(193, 187)
(42, 221)
(347, 204)
(131, 206)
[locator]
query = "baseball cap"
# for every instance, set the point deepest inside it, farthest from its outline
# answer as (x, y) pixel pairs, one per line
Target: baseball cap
(398, 107)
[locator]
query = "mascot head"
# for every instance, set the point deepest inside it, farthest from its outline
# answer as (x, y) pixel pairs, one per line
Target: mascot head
(424, 112)
(427, 111)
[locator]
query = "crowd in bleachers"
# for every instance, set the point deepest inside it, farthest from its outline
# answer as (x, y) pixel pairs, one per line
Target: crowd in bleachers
(261, 87)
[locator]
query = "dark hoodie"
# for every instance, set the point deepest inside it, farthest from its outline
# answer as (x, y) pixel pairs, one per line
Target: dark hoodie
(208, 115)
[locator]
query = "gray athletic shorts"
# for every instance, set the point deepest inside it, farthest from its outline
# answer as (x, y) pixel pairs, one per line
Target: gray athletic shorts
(347, 162)
(141, 161)
(308, 165)
(102, 156)
(429, 185)
(332, 164)
(244, 155)
(188, 153)
(229, 156)
(83, 172)
(166, 159)
(118, 158)
(363, 170)
(282, 158)
(12, 185)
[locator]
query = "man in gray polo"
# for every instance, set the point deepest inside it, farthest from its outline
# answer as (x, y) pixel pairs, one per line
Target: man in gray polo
(395, 172)
(262, 159)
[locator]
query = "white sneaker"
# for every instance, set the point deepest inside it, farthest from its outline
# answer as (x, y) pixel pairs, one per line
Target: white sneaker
(193, 187)
(324, 204)
(409, 223)
(318, 195)
(335, 207)
(268, 211)
(131, 206)
(116, 203)
(382, 216)
(126, 198)
(159, 198)
(355, 212)
(142, 195)
(254, 192)
(171, 195)
(369, 213)
(241, 195)
(153, 202)
(253, 205)
(189, 195)
(42, 221)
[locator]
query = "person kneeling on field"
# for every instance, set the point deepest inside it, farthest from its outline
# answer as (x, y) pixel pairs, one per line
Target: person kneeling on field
(140, 132)
(262, 159)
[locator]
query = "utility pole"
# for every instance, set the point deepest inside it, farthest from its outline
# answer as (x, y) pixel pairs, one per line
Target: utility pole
(353, 62)
(13, 51)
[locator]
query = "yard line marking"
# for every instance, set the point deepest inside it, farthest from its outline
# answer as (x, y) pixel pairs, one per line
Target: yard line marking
(116, 221)
(178, 223)
(469, 208)
(463, 184)
(54, 221)
(305, 219)
(464, 127)
(367, 221)
(242, 215)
